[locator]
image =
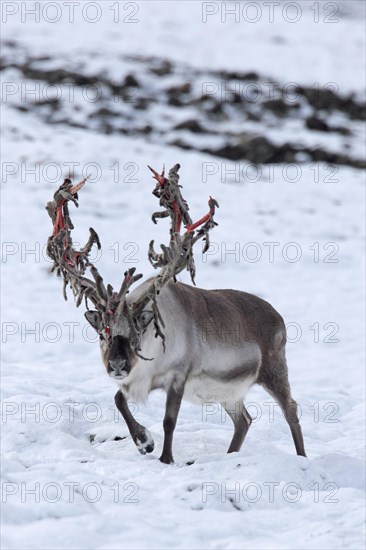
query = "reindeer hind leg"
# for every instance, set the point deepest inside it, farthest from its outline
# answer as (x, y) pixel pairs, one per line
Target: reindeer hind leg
(274, 379)
(241, 420)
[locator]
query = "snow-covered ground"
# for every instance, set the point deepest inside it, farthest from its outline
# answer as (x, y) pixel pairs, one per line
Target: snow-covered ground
(294, 235)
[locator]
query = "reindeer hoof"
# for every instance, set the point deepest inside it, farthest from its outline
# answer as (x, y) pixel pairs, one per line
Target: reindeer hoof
(144, 442)
(166, 459)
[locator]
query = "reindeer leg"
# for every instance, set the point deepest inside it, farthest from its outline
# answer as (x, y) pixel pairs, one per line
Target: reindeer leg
(278, 386)
(140, 435)
(242, 421)
(173, 401)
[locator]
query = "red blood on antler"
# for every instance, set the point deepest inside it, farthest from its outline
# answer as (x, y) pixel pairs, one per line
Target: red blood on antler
(160, 178)
(211, 203)
(65, 192)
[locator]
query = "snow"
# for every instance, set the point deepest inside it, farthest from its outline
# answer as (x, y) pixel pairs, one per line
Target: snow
(66, 481)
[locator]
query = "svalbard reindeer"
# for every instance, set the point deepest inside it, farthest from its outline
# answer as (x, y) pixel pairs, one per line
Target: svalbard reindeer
(206, 346)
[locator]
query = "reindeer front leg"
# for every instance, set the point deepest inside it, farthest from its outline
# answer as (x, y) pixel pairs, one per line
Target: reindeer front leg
(173, 401)
(140, 435)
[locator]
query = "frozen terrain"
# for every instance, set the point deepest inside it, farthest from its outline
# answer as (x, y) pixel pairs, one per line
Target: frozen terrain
(291, 230)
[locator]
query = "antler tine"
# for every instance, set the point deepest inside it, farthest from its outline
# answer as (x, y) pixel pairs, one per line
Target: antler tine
(99, 283)
(128, 281)
(160, 178)
(75, 188)
(168, 192)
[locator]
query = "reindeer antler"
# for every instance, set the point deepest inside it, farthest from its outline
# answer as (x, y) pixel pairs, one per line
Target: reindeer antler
(179, 254)
(175, 257)
(72, 264)
(68, 262)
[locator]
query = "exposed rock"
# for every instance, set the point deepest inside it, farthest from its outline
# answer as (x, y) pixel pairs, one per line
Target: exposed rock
(185, 88)
(54, 103)
(228, 104)
(191, 125)
(104, 112)
(341, 130)
(163, 69)
(22, 108)
(146, 129)
(140, 103)
(235, 75)
(181, 144)
(260, 151)
(232, 97)
(256, 149)
(55, 76)
(279, 107)
(256, 117)
(214, 109)
(315, 123)
(175, 101)
(328, 100)
(130, 81)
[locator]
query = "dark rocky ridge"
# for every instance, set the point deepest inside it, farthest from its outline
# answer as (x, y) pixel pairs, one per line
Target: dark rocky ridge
(235, 109)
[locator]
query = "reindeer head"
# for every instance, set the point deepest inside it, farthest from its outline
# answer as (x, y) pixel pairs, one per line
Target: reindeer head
(119, 328)
(120, 323)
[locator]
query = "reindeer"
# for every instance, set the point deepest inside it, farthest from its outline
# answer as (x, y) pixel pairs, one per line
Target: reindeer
(205, 346)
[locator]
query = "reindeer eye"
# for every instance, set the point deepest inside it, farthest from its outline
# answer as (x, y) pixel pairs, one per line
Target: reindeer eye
(145, 318)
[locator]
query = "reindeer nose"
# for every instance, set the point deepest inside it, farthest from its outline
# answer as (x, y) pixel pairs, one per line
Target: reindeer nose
(118, 368)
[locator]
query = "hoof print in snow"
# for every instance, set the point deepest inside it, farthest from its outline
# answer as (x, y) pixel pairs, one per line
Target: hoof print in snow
(235, 505)
(93, 438)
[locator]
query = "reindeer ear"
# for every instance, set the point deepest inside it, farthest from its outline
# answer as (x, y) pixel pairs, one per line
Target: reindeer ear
(95, 319)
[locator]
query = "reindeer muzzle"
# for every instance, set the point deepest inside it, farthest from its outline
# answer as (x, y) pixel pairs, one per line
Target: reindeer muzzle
(118, 368)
